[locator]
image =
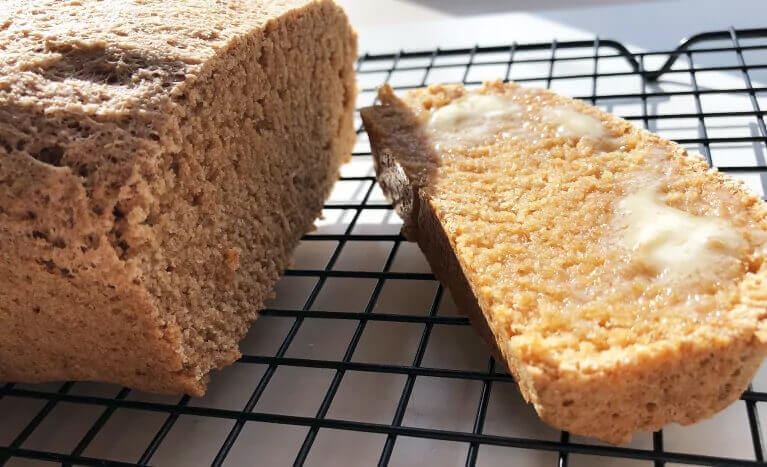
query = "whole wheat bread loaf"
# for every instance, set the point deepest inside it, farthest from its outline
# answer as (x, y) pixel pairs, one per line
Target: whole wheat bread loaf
(620, 279)
(159, 161)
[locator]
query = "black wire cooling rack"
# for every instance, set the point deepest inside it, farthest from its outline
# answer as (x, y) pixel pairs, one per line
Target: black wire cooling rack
(724, 53)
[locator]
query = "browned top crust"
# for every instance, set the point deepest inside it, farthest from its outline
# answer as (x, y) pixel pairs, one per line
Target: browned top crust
(117, 56)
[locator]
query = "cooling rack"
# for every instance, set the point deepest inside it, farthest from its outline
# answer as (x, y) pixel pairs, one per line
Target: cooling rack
(362, 358)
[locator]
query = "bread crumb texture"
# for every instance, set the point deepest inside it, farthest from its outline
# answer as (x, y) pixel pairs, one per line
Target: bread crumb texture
(159, 161)
(524, 227)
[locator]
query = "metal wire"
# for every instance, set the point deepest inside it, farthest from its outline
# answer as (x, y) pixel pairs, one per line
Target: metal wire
(596, 50)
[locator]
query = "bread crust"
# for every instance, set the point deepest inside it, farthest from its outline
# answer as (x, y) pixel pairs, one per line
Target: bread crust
(692, 378)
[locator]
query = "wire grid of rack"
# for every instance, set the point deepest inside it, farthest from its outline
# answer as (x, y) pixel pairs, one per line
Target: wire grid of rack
(37, 422)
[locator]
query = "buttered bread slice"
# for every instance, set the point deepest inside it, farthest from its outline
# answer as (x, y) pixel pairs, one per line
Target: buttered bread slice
(620, 279)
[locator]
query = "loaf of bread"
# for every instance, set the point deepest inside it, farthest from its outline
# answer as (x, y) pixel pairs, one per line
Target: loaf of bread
(620, 279)
(159, 161)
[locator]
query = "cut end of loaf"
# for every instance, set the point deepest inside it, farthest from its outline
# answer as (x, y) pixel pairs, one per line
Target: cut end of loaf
(522, 222)
(282, 129)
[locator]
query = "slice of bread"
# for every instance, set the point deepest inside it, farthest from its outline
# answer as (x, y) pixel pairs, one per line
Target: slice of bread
(159, 161)
(620, 279)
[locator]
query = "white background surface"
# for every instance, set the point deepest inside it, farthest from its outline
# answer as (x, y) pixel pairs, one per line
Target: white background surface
(423, 24)
(386, 26)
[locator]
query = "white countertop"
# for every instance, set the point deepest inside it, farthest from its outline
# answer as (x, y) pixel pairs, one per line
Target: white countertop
(423, 24)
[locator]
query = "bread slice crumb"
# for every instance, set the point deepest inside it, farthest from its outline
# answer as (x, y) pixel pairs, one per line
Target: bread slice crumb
(521, 222)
